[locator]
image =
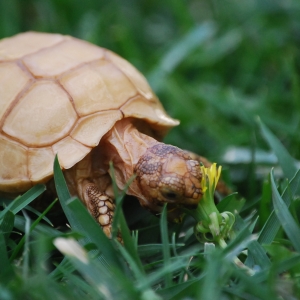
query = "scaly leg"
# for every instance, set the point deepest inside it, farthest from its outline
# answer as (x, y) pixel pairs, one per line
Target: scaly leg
(100, 206)
(92, 184)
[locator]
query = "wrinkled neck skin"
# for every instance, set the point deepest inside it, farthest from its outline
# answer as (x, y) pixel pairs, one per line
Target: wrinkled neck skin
(125, 145)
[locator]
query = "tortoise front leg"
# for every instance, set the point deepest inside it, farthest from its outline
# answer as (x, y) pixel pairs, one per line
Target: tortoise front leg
(92, 184)
(100, 205)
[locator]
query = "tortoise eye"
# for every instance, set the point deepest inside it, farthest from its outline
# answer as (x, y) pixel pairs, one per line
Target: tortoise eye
(169, 195)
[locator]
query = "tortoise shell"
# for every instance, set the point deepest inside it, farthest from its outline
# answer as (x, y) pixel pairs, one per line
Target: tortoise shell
(60, 95)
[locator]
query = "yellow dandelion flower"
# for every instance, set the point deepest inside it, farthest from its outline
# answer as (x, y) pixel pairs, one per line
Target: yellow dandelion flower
(210, 178)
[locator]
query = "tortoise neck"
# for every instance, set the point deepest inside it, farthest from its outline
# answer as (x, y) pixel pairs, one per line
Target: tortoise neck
(124, 146)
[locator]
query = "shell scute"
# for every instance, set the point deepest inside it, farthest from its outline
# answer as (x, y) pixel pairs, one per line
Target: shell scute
(149, 110)
(98, 86)
(133, 74)
(119, 86)
(13, 166)
(42, 116)
(90, 129)
(26, 43)
(86, 87)
(40, 164)
(66, 55)
(12, 82)
(69, 152)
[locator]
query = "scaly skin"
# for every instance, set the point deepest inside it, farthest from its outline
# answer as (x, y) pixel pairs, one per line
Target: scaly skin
(167, 174)
(164, 174)
(101, 207)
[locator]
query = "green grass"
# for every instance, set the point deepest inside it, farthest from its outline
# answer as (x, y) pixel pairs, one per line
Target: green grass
(229, 71)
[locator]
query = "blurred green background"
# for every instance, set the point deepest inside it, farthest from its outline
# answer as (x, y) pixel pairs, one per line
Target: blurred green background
(215, 64)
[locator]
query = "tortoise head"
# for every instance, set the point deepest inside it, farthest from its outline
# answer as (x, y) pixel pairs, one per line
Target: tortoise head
(167, 174)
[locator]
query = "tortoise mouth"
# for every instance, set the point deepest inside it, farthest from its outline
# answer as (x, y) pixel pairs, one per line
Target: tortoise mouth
(187, 203)
(175, 213)
(172, 205)
(191, 206)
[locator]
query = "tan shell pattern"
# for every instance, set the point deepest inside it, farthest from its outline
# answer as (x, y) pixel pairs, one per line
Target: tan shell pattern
(60, 95)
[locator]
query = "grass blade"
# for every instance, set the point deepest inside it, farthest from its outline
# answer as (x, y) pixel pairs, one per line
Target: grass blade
(256, 253)
(4, 261)
(7, 223)
(38, 229)
(144, 286)
(272, 225)
(65, 267)
(284, 216)
(258, 256)
(165, 242)
(19, 203)
(95, 273)
(93, 233)
(26, 251)
(62, 190)
(211, 287)
(34, 224)
(231, 203)
(286, 162)
(119, 219)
